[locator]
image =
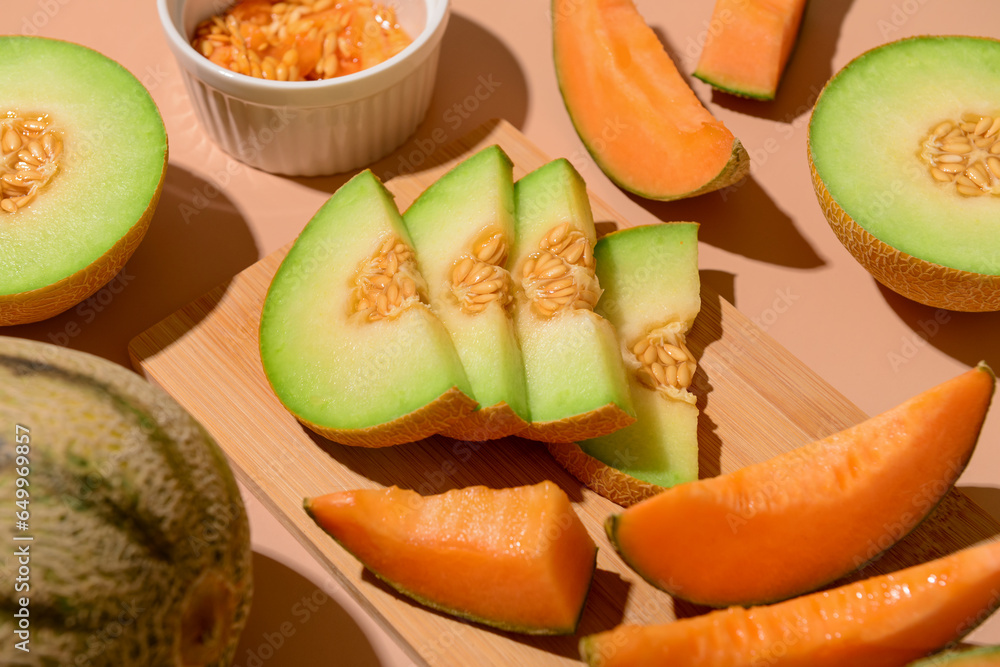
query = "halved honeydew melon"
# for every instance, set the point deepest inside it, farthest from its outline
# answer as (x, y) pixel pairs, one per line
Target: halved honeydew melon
(577, 386)
(84, 156)
(346, 338)
(904, 150)
(462, 229)
(651, 296)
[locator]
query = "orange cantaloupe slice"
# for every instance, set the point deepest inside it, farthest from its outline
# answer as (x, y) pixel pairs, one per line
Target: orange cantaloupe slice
(453, 551)
(802, 519)
(633, 110)
(748, 45)
(883, 621)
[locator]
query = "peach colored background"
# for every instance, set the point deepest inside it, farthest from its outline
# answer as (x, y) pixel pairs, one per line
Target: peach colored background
(765, 245)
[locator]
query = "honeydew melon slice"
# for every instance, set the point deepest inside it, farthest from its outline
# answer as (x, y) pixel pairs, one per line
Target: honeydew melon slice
(892, 141)
(347, 340)
(651, 296)
(462, 228)
(577, 387)
(78, 191)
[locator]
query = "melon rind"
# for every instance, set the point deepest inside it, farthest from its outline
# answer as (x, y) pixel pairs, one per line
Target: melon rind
(982, 656)
(613, 484)
(914, 236)
(134, 513)
(85, 224)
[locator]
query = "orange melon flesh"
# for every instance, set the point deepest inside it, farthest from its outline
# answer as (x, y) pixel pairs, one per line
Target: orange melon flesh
(884, 621)
(639, 119)
(518, 559)
(748, 45)
(806, 517)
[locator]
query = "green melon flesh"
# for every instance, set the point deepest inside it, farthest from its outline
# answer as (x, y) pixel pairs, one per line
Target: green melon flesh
(976, 657)
(650, 279)
(475, 197)
(140, 546)
(572, 361)
(333, 368)
(865, 139)
(115, 148)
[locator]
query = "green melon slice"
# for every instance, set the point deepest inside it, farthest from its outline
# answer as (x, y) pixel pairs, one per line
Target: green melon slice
(878, 128)
(352, 366)
(651, 292)
(462, 228)
(577, 386)
(138, 549)
(83, 224)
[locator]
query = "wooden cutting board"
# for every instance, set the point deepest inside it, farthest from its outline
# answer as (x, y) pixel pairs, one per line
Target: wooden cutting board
(756, 399)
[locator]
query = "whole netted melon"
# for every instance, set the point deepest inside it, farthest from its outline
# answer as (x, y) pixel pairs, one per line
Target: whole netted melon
(130, 541)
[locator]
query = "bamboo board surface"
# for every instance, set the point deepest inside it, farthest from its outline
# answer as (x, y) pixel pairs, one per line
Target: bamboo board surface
(756, 399)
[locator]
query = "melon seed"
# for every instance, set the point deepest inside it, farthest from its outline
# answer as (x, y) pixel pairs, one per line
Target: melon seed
(263, 39)
(664, 360)
(960, 153)
(386, 284)
(560, 275)
(479, 276)
(30, 151)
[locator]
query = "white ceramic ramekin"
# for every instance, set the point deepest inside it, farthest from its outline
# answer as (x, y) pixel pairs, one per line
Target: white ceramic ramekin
(311, 128)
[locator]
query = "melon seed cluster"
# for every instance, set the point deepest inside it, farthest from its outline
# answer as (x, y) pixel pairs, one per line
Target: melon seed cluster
(31, 150)
(480, 277)
(387, 283)
(561, 274)
(966, 153)
(664, 359)
(301, 40)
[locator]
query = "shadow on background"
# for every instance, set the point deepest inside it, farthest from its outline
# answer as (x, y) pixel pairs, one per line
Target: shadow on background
(715, 286)
(967, 337)
(197, 240)
(808, 70)
(438, 464)
(742, 219)
(293, 623)
(468, 92)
